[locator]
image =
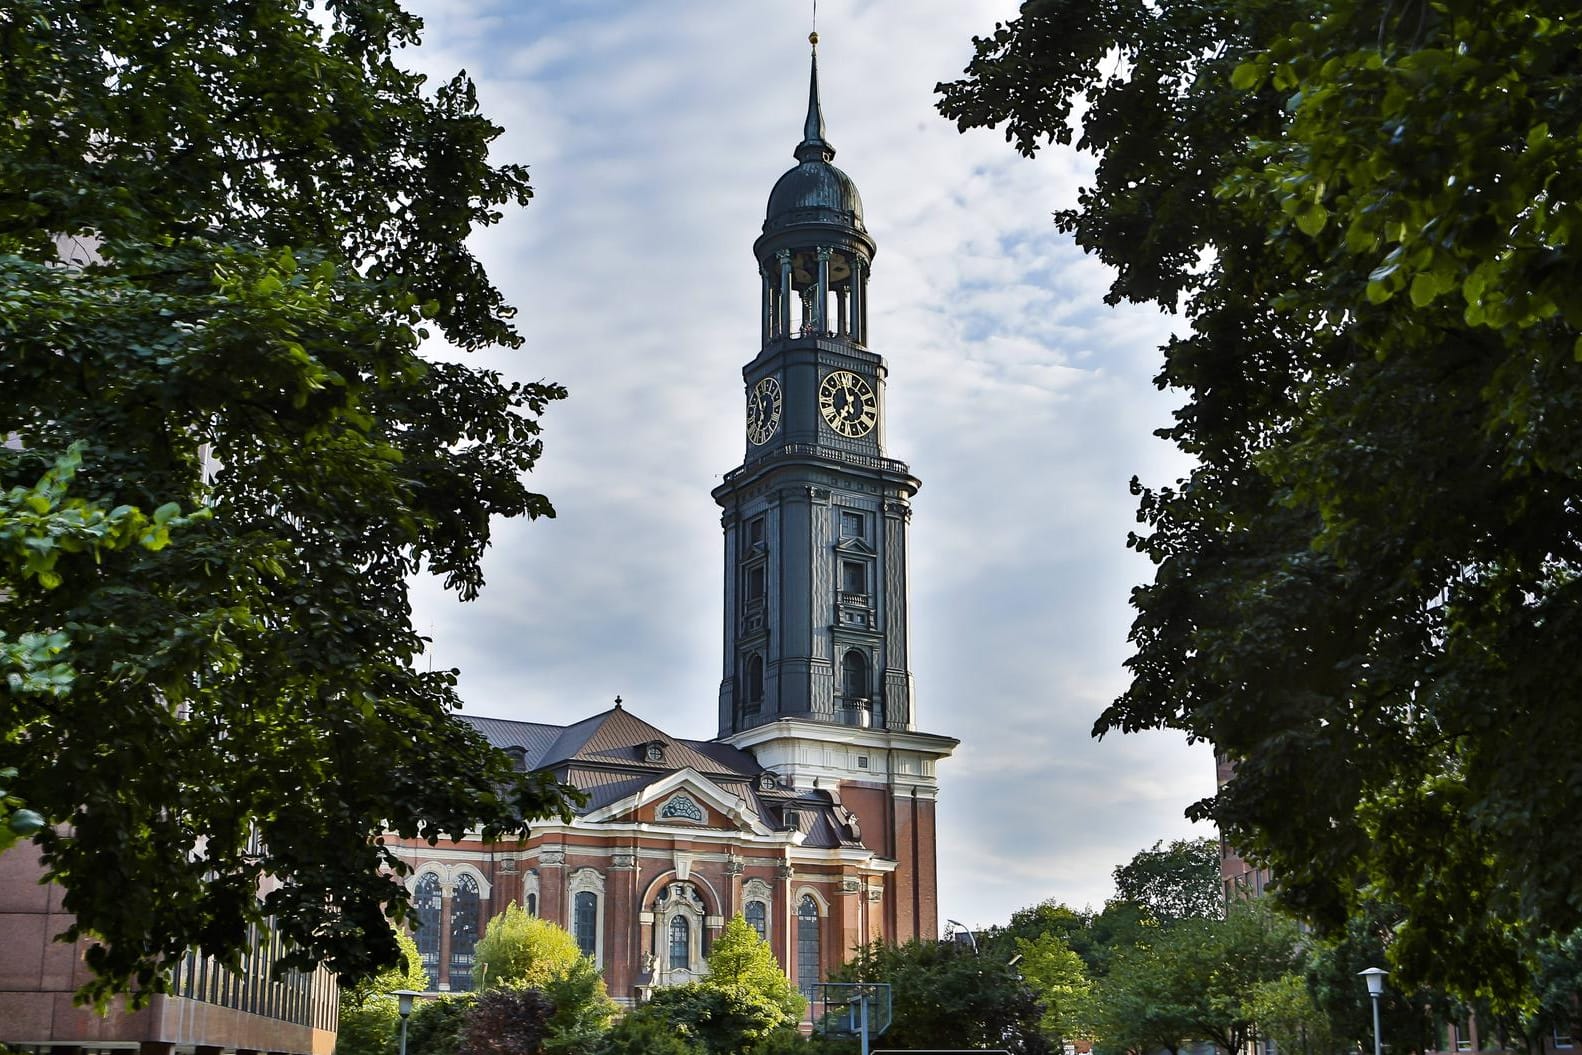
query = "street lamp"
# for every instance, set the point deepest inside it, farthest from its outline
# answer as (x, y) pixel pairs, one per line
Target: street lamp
(972, 939)
(404, 999)
(1375, 977)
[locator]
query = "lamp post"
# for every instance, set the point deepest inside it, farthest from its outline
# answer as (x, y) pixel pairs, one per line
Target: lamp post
(1375, 977)
(404, 999)
(972, 939)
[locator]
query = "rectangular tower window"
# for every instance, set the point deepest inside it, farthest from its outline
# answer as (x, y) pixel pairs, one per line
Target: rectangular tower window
(755, 531)
(850, 524)
(757, 578)
(853, 577)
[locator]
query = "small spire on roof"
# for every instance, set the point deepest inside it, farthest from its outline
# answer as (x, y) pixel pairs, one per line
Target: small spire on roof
(617, 701)
(814, 147)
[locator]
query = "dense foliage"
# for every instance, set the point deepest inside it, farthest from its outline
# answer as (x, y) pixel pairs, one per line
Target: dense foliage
(743, 1002)
(1174, 882)
(523, 950)
(260, 217)
(943, 995)
(1367, 591)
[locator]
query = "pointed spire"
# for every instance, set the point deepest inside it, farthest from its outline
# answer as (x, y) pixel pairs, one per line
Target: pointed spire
(814, 147)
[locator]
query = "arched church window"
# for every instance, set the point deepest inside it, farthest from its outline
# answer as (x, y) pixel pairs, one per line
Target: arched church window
(532, 904)
(807, 944)
(680, 938)
(854, 675)
(758, 918)
(464, 911)
(755, 682)
(585, 921)
(427, 901)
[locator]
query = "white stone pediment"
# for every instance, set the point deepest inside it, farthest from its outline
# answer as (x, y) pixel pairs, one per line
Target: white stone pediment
(676, 789)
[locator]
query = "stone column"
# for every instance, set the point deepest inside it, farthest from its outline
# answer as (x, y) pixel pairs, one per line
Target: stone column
(859, 301)
(821, 298)
(840, 314)
(784, 256)
(445, 891)
(768, 312)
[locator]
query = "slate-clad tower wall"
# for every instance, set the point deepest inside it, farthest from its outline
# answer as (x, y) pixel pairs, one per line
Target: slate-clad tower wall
(817, 681)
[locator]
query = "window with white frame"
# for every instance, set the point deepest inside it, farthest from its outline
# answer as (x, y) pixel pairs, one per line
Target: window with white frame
(587, 912)
(808, 951)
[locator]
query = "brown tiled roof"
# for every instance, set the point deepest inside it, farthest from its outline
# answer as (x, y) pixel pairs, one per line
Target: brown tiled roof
(604, 756)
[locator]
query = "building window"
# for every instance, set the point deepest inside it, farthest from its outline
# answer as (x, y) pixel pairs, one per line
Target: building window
(427, 903)
(854, 577)
(464, 912)
(807, 944)
(532, 904)
(682, 806)
(755, 531)
(680, 938)
(758, 918)
(755, 683)
(585, 922)
(854, 687)
(850, 524)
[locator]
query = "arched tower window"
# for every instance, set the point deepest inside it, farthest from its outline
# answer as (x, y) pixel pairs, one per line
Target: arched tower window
(854, 688)
(755, 683)
(532, 904)
(585, 921)
(807, 944)
(680, 939)
(464, 911)
(427, 903)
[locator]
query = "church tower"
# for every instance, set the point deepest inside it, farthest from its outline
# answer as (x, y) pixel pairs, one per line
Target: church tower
(817, 683)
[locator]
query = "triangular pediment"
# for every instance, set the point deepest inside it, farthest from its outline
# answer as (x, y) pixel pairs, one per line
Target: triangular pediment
(856, 546)
(683, 799)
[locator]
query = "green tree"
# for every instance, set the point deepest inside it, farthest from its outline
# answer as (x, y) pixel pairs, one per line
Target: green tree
(1060, 979)
(1411, 1014)
(642, 1033)
(739, 957)
(1195, 980)
(1367, 589)
(262, 217)
(369, 1019)
(524, 951)
(722, 1019)
(1175, 882)
(1286, 1014)
(435, 1026)
(945, 996)
(407, 973)
(583, 1009)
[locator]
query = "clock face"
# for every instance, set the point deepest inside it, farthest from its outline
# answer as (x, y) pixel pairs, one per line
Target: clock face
(847, 403)
(763, 411)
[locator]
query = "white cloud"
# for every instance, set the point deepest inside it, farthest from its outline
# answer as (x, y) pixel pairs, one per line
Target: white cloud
(653, 134)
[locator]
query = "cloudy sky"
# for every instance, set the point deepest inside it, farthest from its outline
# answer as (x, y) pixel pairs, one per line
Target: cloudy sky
(653, 132)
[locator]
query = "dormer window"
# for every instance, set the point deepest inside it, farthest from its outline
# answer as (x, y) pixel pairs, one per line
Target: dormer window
(518, 756)
(766, 782)
(654, 751)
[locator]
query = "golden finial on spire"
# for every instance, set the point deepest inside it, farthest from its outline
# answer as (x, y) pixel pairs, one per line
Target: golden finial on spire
(812, 38)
